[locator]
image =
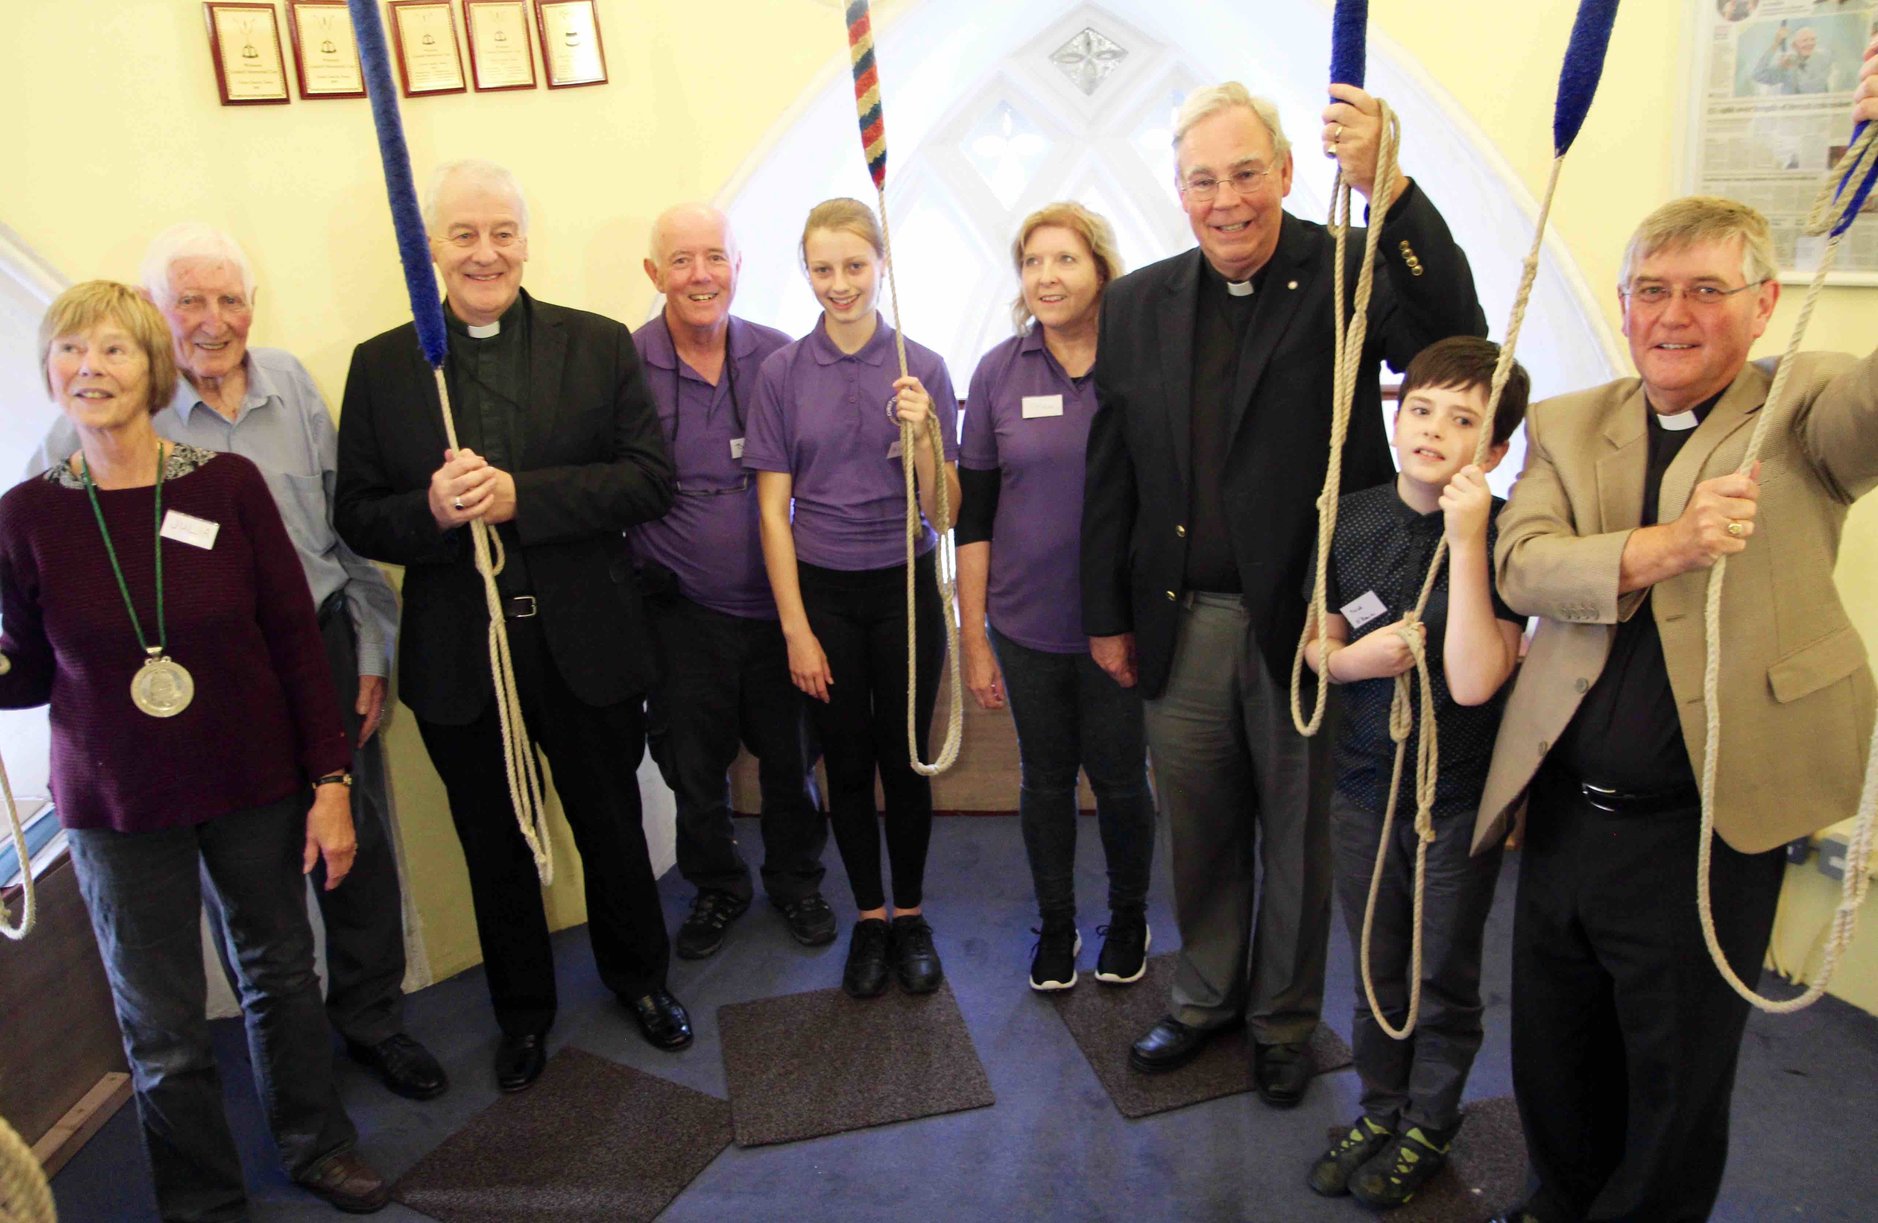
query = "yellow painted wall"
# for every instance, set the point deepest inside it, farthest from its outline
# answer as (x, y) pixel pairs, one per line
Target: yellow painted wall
(113, 131)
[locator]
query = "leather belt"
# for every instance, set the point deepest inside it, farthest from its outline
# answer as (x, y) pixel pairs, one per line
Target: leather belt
(1638, 802)
(520, 607)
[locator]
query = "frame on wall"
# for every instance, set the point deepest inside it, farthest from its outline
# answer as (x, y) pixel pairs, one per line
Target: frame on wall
(329, 67)
(571, 49)
(502, 53)
(430, 59)
(253, 70)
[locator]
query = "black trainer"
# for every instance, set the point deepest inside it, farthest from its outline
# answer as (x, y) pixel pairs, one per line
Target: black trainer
(703, 931)
(866, 973)
(811, 922)
(1053, 959)
(1395, 1174)
(1362, 1142)
(915, 959)
(1125, 943)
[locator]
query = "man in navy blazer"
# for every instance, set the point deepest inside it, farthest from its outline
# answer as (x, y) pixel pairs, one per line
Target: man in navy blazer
(1208, 449)
(560, 453)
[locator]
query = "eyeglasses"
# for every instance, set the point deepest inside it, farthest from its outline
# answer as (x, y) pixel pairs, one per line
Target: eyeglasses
(466, 239)
(1244, 182)
(1695, 295)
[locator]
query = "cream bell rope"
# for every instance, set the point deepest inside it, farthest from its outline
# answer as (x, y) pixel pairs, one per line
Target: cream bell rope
(518, 752)
(874, 147)
(29, 904)
(24, 1195)
(1857, 165)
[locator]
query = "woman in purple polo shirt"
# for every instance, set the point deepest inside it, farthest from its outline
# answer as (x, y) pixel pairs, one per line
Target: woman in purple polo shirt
(824, 430)
(1026, 425)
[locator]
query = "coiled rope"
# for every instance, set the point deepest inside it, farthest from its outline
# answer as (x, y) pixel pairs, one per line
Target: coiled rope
(874, 148)
(24, 1195)
(518, 752)
(1840, 196)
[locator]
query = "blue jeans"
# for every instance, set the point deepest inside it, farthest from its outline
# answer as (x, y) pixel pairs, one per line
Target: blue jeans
(1069, 714)
(144, 892)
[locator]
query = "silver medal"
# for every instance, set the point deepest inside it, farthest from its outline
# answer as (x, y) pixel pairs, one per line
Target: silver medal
(161, 687)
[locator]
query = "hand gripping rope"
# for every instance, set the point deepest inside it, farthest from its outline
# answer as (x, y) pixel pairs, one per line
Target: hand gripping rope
(1840, 197)
(874, 148)
(518, 752)
(1578, 82)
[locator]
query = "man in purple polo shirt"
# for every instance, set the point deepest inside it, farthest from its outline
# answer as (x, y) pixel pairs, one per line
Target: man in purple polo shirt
(724, 671)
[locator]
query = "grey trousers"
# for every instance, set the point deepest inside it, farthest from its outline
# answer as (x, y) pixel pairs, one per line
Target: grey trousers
(1417, 1081)
(1246, 799)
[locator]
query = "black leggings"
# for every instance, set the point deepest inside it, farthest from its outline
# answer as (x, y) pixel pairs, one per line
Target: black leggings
(859, 616)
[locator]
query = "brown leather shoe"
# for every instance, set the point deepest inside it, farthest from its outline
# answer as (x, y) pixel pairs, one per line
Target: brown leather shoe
(347, 1182)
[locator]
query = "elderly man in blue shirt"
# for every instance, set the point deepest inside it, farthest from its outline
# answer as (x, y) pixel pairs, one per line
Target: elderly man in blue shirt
(260, 403)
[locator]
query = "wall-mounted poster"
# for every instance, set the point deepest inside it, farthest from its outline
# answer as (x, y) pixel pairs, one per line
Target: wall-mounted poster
(1772, 84)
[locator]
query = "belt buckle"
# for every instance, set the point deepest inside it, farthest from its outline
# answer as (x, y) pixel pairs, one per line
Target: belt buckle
(1601, 797)
(519, 607)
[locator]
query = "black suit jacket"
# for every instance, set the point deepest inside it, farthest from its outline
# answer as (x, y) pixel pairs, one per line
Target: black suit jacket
(591, 463)
(1136, 488)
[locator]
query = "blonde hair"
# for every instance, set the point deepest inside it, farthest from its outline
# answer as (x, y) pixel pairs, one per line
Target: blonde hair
(1696, 219)
(1091, 227)
(1206, 102)
(84, 306)
(843, 216)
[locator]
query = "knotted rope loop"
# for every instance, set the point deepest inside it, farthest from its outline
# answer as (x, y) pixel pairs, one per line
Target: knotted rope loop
(29, 901)
(1831, 215)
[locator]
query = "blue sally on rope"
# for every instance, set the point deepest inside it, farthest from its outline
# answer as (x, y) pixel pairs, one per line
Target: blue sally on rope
(407, 221)
(874, 148)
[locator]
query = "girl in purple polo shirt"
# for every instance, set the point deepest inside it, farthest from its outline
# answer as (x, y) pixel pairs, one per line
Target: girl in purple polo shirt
(824, 431)
(1026, 426)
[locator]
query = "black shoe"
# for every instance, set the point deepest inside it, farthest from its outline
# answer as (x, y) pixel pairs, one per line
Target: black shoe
(520, 1060)
(811, 922)
(703, 931)
(1169, 1045)
(402, 1065)
(1053, 958)
(662, 1019)
(1362, 1142)
(866, 973)
(915, 959)
(1394, 1175)
(1281, 1073)
(1125, 943)
(347, 1182)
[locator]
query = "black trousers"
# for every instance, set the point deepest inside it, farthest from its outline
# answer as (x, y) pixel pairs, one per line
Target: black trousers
(1625, 1037)
(724, 680)
(594, 752)
(859, 616)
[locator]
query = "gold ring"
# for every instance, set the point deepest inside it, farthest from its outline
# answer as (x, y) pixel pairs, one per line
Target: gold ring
(1736, 529)
(1336, 134)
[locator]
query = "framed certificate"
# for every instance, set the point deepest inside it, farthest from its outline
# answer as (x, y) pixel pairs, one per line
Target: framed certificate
(325, 56)
(501, 48)
(429, 59)
(244, 43)
(570, 43)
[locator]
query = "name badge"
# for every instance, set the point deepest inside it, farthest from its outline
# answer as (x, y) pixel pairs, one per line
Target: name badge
(1042, 405)
(1361, 611)
(893, 451)
(736, 448)
(188, 529)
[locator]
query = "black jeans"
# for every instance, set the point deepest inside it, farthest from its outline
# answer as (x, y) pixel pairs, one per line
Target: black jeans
(1417, 1081)
(595, 753)
(1625, 1037)
(1069, 714)
(144, 893)
(859, 616)
(724, 680)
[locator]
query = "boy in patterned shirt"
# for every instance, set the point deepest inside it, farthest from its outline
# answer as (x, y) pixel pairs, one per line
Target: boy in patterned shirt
(1384, 541)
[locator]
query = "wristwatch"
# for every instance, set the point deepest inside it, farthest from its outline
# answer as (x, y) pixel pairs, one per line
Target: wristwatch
(344, 779)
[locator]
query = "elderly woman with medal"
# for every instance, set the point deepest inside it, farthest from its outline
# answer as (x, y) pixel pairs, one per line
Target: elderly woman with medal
(151, 595)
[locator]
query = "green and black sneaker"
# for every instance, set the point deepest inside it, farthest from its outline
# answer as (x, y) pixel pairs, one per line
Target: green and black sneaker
(1393, 1177)
(1330, 1175)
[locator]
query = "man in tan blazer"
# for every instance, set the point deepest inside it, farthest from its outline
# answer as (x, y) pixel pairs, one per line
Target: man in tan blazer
(1625, 1036)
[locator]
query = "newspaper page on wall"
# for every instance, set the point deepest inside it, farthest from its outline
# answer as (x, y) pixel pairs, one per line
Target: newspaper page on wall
(1773, 96)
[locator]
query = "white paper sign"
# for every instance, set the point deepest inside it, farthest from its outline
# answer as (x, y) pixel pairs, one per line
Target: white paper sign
(1042, 405)
(1361, 611)
(188, 529)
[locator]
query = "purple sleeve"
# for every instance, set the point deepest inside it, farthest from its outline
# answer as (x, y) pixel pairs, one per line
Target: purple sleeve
(979, 450)
(283, 606)
(765, 439)
(28, 680)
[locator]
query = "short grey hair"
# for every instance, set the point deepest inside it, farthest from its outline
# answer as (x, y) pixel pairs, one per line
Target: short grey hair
(655, 250)
(191, 240)
(1208, 101)
(1695, 219)
(478, 173)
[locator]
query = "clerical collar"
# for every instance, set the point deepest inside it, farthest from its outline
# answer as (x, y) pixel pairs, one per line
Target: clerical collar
(1675, 422)
(483, 333)
(1236, 288)
(512, 317)
(1239, 288)
(1689, 418)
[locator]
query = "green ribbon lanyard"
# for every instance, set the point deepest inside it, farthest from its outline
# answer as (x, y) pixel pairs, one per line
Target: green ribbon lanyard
(123, 588)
